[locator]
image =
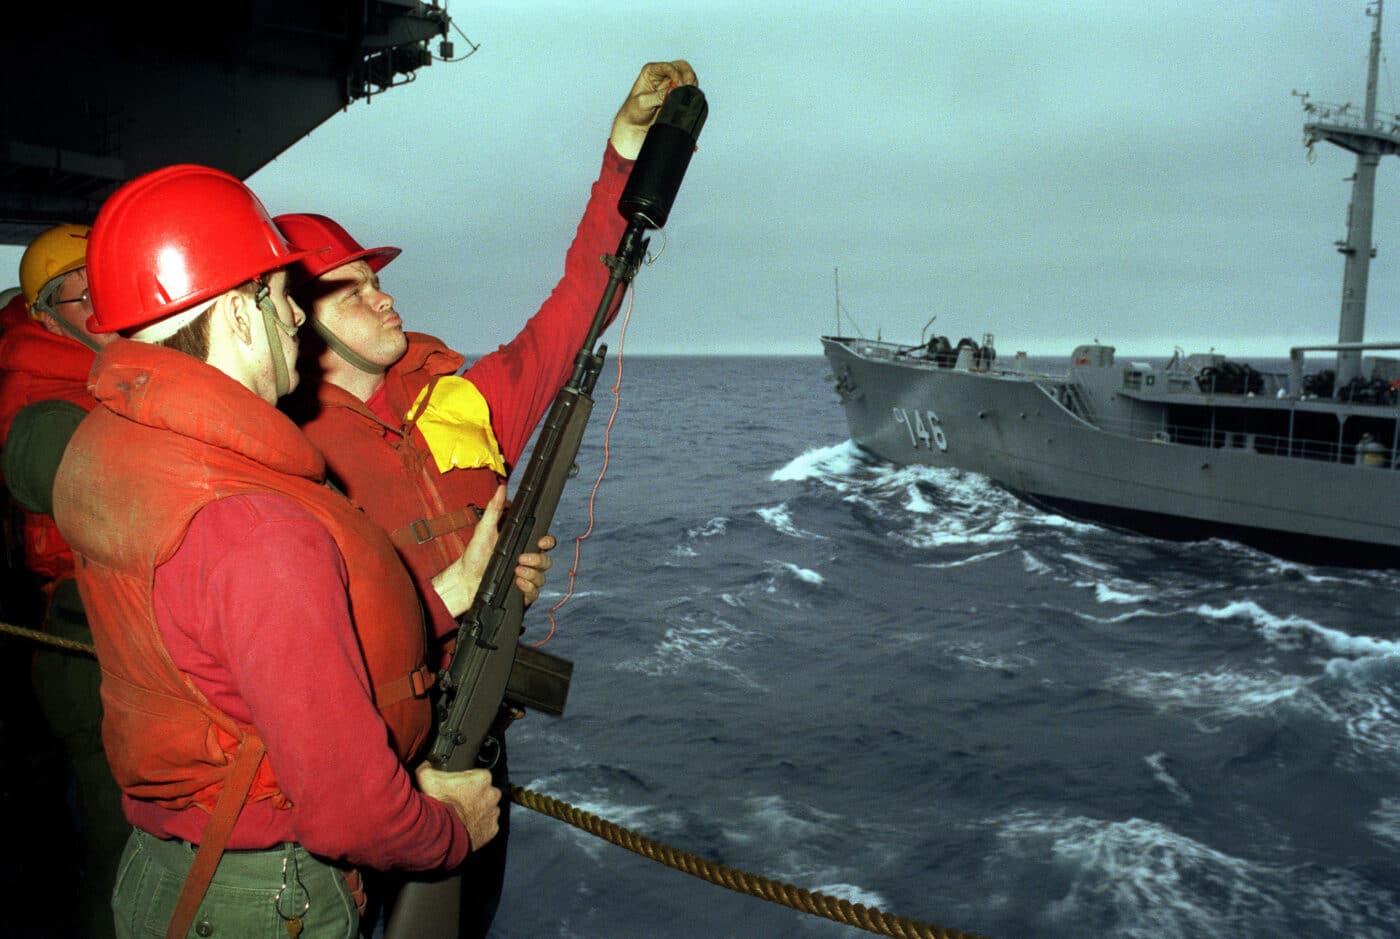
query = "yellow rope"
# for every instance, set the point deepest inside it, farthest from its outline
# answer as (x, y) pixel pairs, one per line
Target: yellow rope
(774, 891)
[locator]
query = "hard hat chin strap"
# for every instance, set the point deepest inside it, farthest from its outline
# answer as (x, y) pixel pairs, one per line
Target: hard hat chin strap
(75, 332)
(42, 303)
(272, 323)
(336, 345)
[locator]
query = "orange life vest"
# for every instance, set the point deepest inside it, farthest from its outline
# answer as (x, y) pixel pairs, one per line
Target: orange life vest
(170, 435)
(37, 365)
(390, 471)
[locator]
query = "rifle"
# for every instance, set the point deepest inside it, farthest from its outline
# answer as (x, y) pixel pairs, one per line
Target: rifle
(471, 688)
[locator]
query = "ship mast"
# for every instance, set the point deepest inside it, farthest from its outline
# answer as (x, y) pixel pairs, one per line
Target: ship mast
(1369, 141)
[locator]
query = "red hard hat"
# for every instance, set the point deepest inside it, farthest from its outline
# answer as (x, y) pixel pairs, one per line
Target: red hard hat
(331, 245)
(175, 237)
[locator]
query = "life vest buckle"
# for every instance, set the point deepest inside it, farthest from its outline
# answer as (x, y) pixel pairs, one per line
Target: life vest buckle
(422, 531)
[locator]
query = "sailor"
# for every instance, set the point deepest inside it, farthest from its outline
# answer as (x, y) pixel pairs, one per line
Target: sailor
(262, 646)
(418, 442)
(44, 363)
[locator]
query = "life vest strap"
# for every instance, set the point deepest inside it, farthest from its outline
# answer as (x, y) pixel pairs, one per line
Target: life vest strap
(413, 685)
(211, 848)
(426, 529)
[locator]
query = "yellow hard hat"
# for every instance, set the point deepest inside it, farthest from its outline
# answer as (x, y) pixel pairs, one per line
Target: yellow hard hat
(58, 251)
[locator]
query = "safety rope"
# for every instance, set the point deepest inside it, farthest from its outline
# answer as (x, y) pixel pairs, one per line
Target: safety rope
(774, 891)
(841, 911)
(45, 639)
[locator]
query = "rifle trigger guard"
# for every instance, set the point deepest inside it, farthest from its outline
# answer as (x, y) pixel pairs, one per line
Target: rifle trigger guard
(489, 753)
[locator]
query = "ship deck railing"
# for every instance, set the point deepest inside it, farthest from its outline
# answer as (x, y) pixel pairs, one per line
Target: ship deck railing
(1379, 452)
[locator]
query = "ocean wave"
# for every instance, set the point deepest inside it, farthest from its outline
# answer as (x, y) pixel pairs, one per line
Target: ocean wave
(691, 645)
(1366, 705)
(779, 518)
(1083, 561)
(1116, 592)
(1357, 577)
(802, 574)
(773, 819)
(925, 507)
(792, 841)
(1125, 616)
(822, 463)
(976, 655)
(1362, 706)
(597, 800)
(852, 894)
(961, 562)
(1138, 879)
(1222, 693)
(1157, 762)
(1297, 632)
(711, 529)
(1385, 822)
(1034, 565)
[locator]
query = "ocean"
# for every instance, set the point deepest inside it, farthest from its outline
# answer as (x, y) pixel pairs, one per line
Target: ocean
(905, 688)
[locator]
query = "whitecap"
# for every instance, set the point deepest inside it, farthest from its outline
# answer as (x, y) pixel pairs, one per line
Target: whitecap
(715, 526)
(786, 832)
(840, 459)
(690, 645)
(1106, 593)
(1124, 617)
(974, 654)
(1222, 693)
(1034, 565)
(647, 819)
(1082, 561)
(959, 562)
(772, 819)
(1157, 762)
(779, 518)
(1293, 632)
(853, 894)
(1138, 879)
(803, 574)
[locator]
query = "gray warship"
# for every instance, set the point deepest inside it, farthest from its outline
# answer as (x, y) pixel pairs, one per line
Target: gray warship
(1300, 464)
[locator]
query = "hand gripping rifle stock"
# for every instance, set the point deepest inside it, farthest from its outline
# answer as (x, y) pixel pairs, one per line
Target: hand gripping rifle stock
(471, 688)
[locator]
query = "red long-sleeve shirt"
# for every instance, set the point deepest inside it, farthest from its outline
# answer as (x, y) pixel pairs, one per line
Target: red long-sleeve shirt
(304, 688)
(519, 380)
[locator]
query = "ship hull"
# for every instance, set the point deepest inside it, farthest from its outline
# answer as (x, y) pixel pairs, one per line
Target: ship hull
(1014, 429)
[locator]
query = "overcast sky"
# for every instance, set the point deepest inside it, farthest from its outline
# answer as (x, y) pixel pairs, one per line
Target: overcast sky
(1048, 171)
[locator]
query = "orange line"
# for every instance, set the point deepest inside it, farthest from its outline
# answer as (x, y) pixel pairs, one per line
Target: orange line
(602, 470)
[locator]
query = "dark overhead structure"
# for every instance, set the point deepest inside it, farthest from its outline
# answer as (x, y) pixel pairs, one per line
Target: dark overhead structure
(97, 93)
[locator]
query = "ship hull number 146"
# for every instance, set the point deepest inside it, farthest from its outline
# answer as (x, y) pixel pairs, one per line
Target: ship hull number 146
(924, 427)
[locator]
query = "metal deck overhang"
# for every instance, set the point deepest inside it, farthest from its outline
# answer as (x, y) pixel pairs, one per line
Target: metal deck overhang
(97, 93)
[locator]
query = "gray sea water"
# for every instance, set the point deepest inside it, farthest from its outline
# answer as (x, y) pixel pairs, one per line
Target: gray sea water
(908, 689)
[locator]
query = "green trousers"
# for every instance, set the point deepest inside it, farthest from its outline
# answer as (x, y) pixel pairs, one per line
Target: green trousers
(253, 894)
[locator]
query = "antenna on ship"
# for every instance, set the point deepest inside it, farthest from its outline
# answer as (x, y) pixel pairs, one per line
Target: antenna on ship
(836, 273)
(1369, 141)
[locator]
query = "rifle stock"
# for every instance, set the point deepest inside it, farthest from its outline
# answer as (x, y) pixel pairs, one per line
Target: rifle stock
(471, 688)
